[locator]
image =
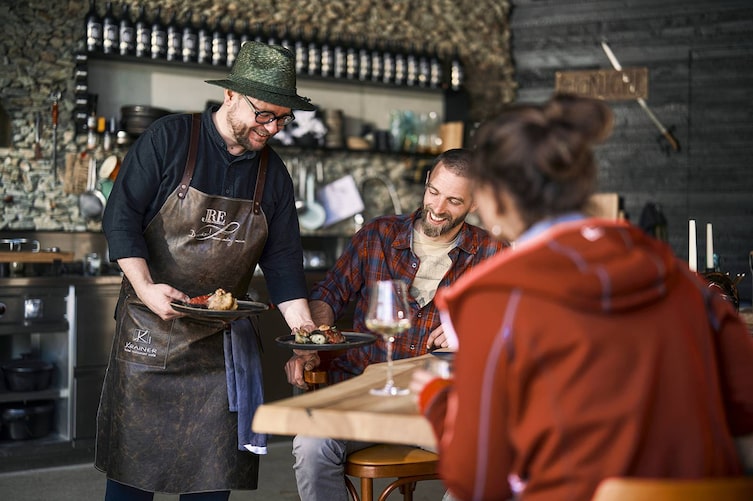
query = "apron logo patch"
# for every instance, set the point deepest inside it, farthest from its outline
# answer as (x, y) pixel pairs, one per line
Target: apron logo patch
(142, 336)
(140, 343)
(213, 216)
(217, 228)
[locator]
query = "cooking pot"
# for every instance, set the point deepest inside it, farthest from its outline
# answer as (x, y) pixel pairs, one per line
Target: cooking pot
(27, 420)
(28, 374)
(135, 119)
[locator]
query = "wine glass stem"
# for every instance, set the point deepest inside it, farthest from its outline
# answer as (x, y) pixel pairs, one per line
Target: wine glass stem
(390, 380)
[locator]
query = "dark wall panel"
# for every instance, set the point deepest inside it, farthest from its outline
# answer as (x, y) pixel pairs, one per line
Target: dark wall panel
(700, 60)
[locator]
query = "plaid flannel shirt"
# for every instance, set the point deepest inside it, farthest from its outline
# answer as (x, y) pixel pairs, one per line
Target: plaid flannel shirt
(382, 251)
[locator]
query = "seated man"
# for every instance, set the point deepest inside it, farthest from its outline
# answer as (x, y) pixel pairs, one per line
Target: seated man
(428, 249)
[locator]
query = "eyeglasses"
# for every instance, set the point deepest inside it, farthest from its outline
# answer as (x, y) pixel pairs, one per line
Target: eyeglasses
(265, 117)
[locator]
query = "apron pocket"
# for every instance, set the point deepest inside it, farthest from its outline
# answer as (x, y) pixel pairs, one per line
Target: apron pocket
(142, 337)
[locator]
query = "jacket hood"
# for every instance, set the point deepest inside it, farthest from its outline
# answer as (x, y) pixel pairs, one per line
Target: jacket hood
(592, 265)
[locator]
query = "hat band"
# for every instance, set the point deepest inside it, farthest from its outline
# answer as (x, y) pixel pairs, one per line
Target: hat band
(263, 87)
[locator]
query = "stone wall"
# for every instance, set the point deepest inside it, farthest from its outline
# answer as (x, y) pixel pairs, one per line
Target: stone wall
(41, 38)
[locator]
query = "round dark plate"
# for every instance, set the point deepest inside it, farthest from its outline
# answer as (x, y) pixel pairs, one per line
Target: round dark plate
(352, 339)
(245, 309)
(444, 354)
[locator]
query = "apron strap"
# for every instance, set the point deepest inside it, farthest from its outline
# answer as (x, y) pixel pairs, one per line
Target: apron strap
(261, 176)
(193, 146)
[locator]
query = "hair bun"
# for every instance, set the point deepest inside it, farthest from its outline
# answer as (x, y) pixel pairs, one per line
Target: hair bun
(592, 118)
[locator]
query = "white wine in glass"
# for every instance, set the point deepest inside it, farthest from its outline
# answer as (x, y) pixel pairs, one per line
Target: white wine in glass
(388, 315)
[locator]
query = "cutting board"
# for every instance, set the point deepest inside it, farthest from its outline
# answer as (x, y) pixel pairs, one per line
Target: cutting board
(35, 257)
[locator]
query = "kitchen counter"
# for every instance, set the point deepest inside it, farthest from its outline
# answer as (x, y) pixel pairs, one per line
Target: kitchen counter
(75, 280)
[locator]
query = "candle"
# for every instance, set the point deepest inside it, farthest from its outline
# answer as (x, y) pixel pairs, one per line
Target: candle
(692, 251)
(709, 247)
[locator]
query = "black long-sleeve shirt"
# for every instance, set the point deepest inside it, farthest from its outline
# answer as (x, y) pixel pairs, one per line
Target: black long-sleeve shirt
(154, 166)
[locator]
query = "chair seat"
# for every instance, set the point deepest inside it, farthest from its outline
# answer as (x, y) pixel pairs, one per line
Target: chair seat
(664, 489)
(406, 463)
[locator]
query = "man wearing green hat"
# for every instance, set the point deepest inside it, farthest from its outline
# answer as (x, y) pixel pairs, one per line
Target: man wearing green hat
(199, 201)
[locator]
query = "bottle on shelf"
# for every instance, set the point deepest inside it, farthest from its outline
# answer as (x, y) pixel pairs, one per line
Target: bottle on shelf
(158, 36)
(93, 29)
(400, 64)
(411, 66)
(92, 139)
(174, 38)
(143, 34)
(245, 32)
(272, 38)
(388, 63)
(364, 60)
(435, 68)
(126, 32)
(189, 39)
(327, 55)
(423, 67)
(339, 57)
(351, 58)
(233, 39)
(286, 40)
(457, 75)
(219, 43)
(301, 52)
(314, 54)
(108, 137)
(110, 30)
(376, 61)
(204, 42)
(259, 33)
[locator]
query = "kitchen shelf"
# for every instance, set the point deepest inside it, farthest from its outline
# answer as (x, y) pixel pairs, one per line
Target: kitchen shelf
(26, 396)
(164, 63)
(36, 257)
(119, 81)
(326, 150)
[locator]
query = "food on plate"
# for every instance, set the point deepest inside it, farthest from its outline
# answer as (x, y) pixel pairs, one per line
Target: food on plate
(324, 334)
(218, 300)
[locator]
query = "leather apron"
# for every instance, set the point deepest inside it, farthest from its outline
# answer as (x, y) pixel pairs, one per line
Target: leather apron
(163, 424)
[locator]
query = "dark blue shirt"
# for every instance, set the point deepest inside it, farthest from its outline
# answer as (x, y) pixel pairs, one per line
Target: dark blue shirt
(152, 169)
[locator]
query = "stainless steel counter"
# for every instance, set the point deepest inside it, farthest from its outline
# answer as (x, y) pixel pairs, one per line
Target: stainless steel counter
(75, 280)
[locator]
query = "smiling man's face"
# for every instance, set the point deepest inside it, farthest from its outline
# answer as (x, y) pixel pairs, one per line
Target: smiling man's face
(447, 201)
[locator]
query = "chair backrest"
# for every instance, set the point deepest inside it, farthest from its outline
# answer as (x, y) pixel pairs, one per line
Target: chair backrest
(644, 489)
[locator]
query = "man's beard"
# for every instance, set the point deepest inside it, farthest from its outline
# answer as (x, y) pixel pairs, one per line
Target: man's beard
(241, 133)
(432, 230)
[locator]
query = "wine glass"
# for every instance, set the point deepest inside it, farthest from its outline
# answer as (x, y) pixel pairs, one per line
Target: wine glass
(388, 315)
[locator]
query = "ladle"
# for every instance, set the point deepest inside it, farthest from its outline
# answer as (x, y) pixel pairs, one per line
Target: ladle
(314, 215)
(92, 202)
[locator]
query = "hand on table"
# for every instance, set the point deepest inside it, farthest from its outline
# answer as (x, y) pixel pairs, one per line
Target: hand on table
(437, 339)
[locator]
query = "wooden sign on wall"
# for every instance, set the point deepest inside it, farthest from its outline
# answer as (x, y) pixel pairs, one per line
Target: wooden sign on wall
(610, 85)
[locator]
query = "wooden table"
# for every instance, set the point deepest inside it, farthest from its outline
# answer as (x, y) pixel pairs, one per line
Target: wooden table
(348, 411)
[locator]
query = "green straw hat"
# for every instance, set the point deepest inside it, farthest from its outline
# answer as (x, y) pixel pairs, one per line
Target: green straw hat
(265, 72)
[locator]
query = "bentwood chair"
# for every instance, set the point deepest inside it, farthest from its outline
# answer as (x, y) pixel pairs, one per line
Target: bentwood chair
(645, 489)
(406, 463)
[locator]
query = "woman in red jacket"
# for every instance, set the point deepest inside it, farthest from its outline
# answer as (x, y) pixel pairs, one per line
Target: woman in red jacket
(589, 350)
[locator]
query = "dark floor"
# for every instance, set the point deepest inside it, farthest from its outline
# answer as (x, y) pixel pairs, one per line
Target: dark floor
(78, 481)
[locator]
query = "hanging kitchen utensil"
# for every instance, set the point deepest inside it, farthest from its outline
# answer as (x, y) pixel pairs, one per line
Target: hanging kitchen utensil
(673, 143)
(300, 199)
(92, 202)
(55, 96)
(37, 136)
(315, 215)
